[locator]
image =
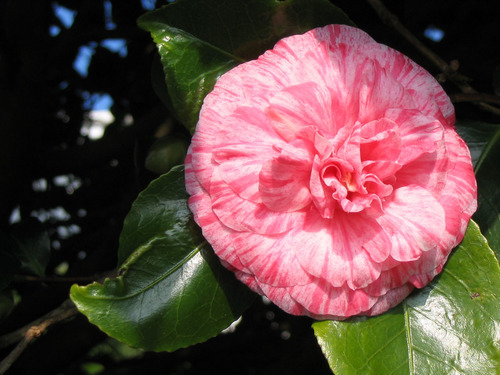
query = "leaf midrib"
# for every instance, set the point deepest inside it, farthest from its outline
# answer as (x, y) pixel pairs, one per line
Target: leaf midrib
(178, 265)
(411, 364)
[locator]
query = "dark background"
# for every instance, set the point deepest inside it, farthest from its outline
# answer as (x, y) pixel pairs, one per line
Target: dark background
(47, 166)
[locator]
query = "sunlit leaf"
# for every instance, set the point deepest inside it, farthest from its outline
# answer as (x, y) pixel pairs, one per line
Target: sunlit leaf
(452, 326)
(172, 291)
(199, 40)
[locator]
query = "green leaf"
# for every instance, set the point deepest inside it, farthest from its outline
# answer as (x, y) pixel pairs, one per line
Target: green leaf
(172, 291)
(7, 303)
(9, 263)
(477, 135)
(32, 246)
(452, 326)
(165, 153)
(488, 181)
(496, 80)
(199, 40)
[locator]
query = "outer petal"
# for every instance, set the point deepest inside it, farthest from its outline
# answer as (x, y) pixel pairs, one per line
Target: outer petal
(427, 93)
(414, 220)
(275, 268)
(335, 250)
(243, 215)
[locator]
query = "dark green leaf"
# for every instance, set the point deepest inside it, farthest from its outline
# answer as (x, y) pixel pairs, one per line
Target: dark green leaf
(32, 246)
(199, 40)
(477, 135)
(165, 153)
(6, 303)
(488, 181)
(172, 291)
(9, 263)
(496, 80)
(452, 326)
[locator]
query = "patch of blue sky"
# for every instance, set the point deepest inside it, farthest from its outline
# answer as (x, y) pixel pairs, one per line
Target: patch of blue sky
(65, 15)
(108, 15)
(116, 45)
(151, 4)
(85, 53)
(97, 101)
(82, 60)
(148, 4)
(102, 102)
(54, 30)
(434, 33)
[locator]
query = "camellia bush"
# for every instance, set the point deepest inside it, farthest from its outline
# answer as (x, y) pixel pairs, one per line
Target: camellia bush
(327, 174)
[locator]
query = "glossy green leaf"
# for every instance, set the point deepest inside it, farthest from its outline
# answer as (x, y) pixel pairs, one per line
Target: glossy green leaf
(172, 291)
(452, 326)
(199, 40)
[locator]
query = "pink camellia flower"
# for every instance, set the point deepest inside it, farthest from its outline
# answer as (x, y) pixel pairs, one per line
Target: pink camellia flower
(328, 176)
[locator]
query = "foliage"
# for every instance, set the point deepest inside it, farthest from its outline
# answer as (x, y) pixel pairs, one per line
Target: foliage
(447, 327)
(170, 291)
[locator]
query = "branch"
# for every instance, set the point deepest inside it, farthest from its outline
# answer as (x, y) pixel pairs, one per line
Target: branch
(32, 331)
(475, 97)
(54, 279)
(450, 72)
(100, 277)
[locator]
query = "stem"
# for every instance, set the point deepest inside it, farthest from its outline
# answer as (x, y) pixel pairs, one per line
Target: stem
(475, 97)
(30, 332)
(54, 279)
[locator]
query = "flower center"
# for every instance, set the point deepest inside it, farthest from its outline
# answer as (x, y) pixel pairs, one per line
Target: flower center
(337, 184)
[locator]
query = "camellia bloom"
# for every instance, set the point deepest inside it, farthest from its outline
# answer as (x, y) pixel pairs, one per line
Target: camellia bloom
(328, 176)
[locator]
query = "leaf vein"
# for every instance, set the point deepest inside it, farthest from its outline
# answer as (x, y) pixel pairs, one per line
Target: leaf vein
(386, 344)
(438, 359)
(179, 264)
(469, 291)
(409, 341)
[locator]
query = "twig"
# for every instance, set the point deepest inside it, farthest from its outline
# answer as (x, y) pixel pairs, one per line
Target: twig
(54, 279)
(461, 81)
(475, 97)
(28, 333)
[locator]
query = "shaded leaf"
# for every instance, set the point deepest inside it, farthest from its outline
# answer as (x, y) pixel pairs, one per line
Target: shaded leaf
(488, 181)
(165, 153)
(7, 303)
(452, 326)
(9, 263)
(199, 40)
(172, 291)
(477, 135)
(32, 246)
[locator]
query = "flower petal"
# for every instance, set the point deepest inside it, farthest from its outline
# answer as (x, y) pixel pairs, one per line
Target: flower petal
(414, 220)
(243, 215)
